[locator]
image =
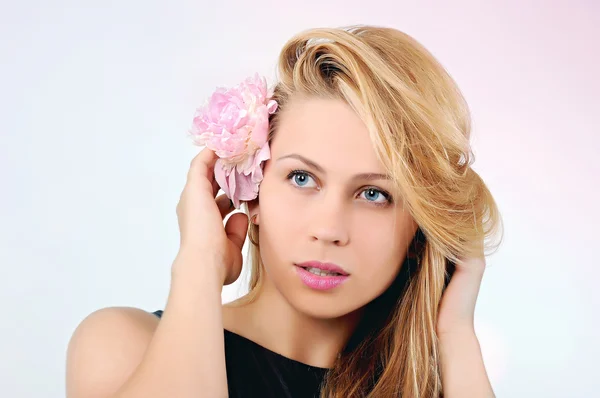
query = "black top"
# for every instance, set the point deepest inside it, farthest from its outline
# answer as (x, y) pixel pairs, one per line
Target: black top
(255, 371)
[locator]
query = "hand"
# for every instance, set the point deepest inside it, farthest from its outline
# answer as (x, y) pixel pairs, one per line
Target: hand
(457, 308)
(200, 217)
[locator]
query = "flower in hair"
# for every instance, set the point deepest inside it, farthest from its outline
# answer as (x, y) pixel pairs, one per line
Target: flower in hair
(234, 123)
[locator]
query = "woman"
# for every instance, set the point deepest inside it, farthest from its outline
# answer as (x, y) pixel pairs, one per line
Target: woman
(367, 244)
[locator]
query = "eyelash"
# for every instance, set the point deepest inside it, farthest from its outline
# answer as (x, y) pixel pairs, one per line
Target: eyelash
(386, 195)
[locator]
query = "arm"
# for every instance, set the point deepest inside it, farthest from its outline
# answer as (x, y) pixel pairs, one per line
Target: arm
(116, 356)
(116, 353)
(463, 370)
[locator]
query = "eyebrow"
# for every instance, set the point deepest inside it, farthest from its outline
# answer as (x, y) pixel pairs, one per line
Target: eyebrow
(360, 176)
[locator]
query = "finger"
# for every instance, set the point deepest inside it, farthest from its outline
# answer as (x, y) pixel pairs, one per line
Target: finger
(237, 229)
(202, 165)
(215, 187)
(224, 205)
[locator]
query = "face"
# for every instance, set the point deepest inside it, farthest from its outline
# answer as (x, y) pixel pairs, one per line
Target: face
(317, 203)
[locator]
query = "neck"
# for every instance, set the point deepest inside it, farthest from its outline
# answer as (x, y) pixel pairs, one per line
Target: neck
(271, 321)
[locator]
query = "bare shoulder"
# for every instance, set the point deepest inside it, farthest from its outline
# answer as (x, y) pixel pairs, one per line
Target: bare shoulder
(105, 349)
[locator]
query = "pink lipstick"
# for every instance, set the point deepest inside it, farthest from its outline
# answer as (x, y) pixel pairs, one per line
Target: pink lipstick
(321, 276)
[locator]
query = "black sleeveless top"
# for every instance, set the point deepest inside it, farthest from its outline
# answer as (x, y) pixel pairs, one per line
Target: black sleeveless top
(255, 371)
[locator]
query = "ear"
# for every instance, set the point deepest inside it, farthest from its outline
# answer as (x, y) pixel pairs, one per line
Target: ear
(253, 210)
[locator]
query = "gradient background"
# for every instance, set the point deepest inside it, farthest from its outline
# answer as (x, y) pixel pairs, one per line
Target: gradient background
(95, 100)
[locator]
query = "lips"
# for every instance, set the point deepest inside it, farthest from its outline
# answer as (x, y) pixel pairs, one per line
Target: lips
(330, 267)
(318, 282)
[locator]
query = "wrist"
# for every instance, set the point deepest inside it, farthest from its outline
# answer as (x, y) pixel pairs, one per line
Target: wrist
(197, 268)
(462, 336)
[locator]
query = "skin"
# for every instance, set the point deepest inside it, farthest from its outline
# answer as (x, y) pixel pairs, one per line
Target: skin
(325, 214)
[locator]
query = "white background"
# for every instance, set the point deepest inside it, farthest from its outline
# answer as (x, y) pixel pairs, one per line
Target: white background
(95, 100)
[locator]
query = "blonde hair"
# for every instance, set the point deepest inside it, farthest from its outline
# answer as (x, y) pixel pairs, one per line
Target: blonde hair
(419, 124)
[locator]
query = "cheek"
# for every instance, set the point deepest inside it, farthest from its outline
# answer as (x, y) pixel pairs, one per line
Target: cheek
(380, 257)
(279, 216)
(278, 204)
(381, 248)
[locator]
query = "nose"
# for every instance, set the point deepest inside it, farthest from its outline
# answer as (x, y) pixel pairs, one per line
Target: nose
(330, 221)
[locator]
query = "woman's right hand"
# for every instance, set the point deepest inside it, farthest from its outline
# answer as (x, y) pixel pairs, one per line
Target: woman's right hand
(203, 236)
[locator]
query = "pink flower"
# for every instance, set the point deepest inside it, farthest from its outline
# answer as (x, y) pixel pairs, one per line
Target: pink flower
(235, 124)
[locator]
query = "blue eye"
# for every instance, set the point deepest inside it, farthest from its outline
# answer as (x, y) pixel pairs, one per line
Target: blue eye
(300, 178)
(374, 194)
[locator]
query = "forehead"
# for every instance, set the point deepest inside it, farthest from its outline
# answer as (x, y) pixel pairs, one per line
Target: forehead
(327, 131)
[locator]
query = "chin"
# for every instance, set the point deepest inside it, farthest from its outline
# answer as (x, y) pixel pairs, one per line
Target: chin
(320, 305)
(332, 311)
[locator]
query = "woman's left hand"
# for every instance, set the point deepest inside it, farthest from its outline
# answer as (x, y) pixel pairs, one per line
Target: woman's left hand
(457, 307)
(463, 368)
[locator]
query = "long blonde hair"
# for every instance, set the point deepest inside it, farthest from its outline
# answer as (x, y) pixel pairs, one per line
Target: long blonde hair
(419, 124)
